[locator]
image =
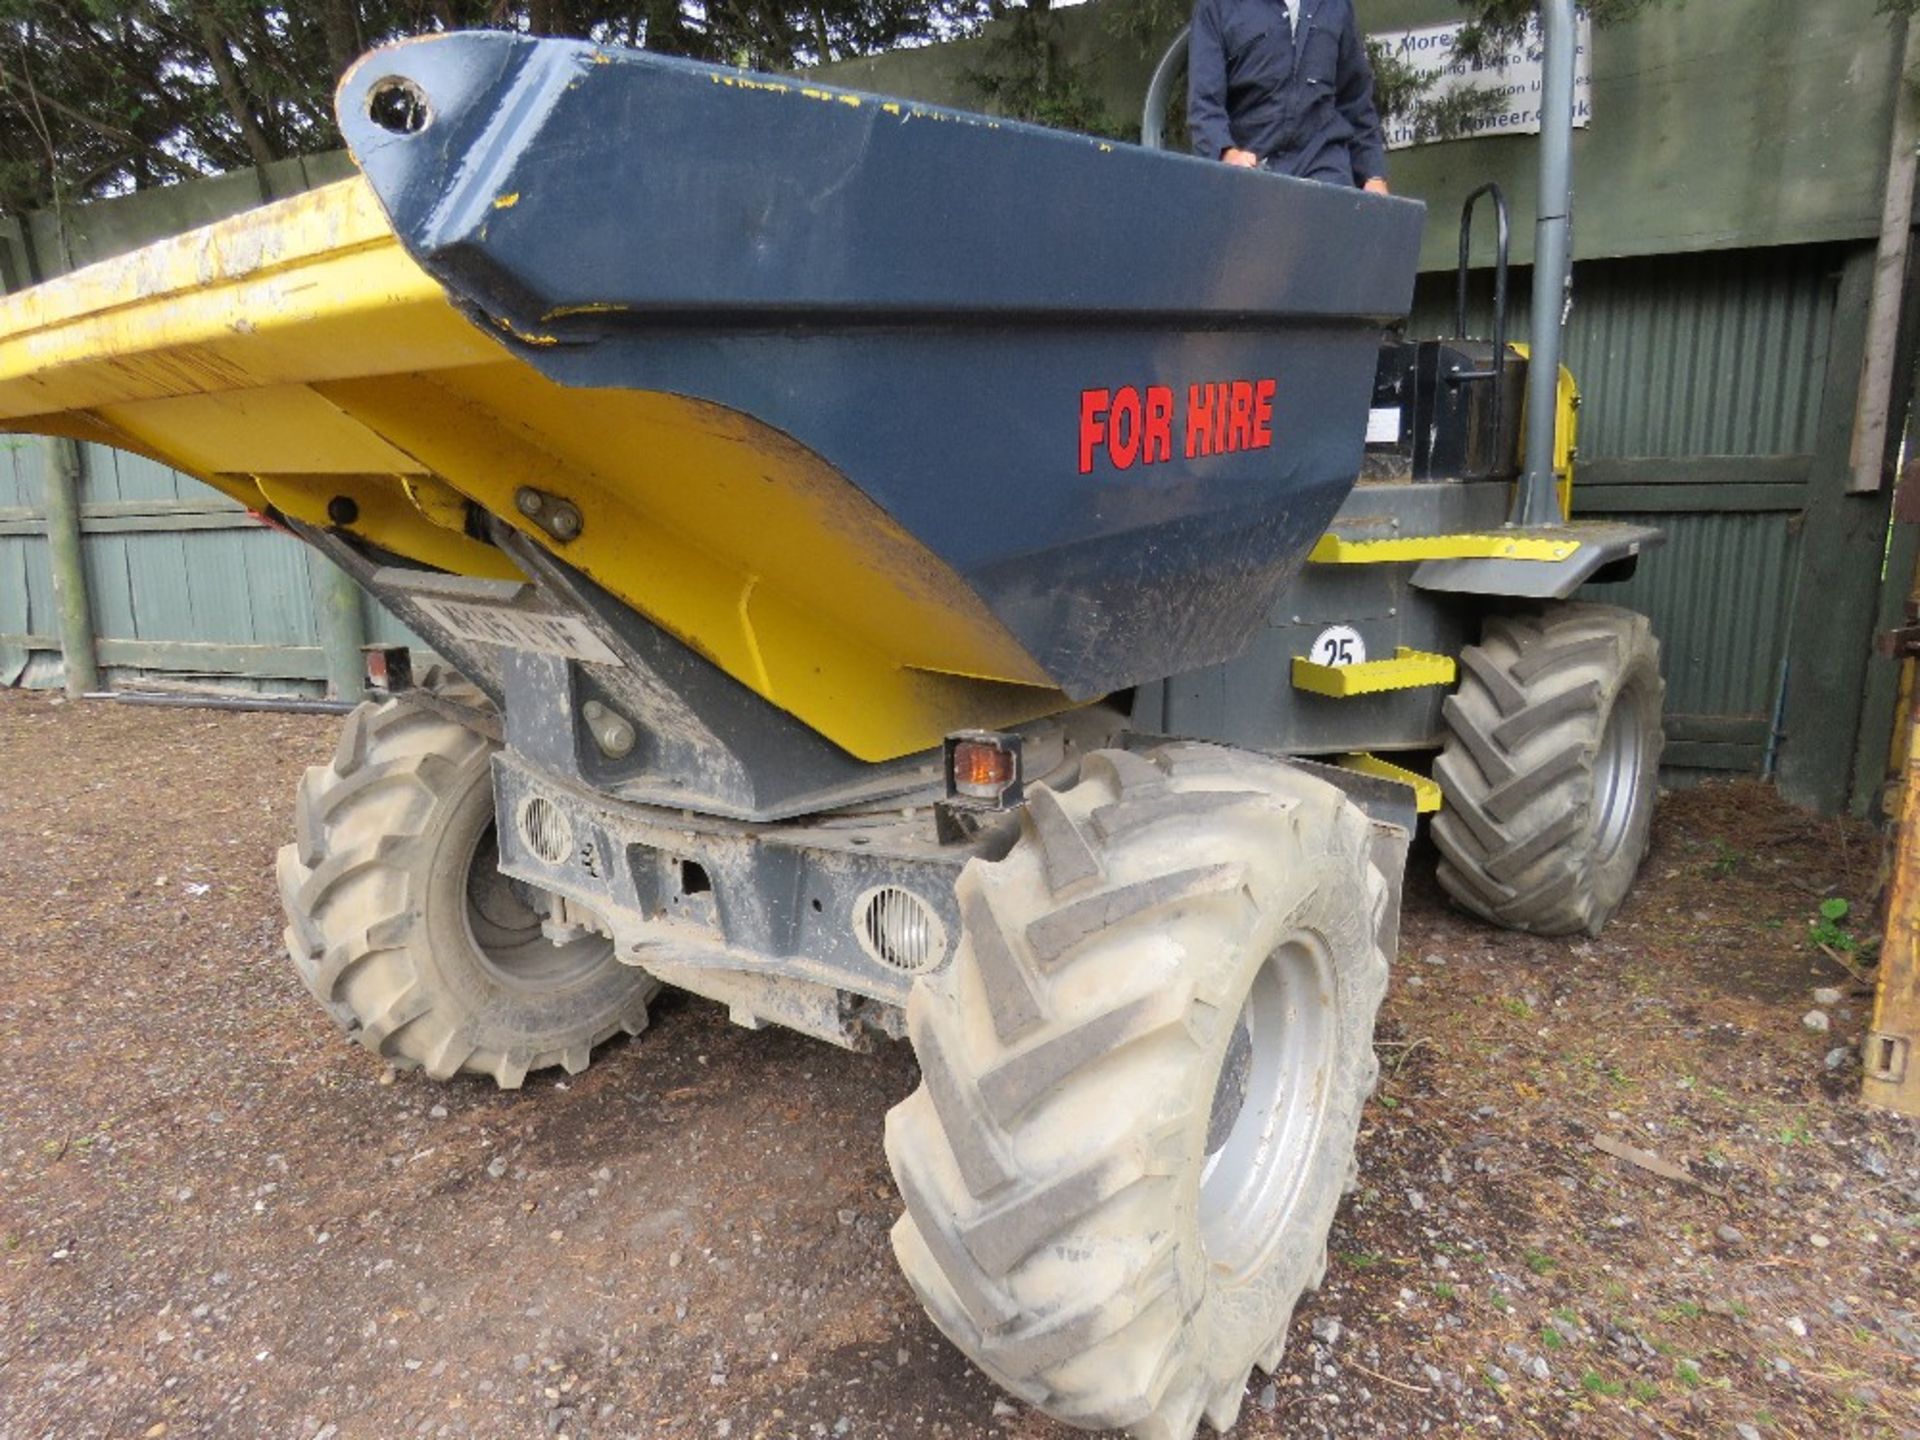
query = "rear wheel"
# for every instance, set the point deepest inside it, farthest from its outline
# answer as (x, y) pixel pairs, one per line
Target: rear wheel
(1551, 767)
(1142, 1080)
(402, 926)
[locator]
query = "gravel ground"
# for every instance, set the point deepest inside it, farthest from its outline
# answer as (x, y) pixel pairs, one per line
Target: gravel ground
(217, 1218)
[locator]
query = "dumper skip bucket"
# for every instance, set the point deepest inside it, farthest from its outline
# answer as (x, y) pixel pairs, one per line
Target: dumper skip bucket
(907, 419)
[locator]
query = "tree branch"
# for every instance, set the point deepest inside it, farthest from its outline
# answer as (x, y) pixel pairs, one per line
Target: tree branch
(239, 103)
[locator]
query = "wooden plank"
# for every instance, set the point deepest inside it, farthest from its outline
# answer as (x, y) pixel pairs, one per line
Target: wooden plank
(1701, 755)
(111, 517)
(142, 524)
(192, 657)
(1841, 544)
(1692, 470)
(1687, 499)
(1717, 729)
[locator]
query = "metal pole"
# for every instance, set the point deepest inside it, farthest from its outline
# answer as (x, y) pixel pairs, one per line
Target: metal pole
(62, 505)
(343, 631)
(1536, 499)
(1153, 122)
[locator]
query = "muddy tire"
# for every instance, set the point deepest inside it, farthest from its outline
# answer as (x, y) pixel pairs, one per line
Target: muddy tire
(1551, 768)
(402, 927)
(1142, 1077)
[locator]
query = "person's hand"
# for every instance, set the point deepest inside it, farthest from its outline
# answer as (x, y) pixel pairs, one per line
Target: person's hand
(1377, 186)
(1246, 159)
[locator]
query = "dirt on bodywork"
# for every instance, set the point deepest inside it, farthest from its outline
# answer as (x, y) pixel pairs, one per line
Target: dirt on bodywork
(1610, 1187)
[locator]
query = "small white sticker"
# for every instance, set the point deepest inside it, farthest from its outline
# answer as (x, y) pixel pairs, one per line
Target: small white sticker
(1338, 645)
(1383, 425)
(520, 629)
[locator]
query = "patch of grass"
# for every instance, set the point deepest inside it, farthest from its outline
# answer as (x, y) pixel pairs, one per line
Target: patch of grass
(1688, 1374)
(1796, 1133)
(1684, 1310)
(1445, 1291)
(1725, 860)
(1568, 1314)
(1498, 1299)
(1518, 1009)
(1645, 1391)
(1594, 1383)
(1552, 1339)
(1540, 1263)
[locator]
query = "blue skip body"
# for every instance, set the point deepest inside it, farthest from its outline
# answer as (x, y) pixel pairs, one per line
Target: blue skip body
(932, 302)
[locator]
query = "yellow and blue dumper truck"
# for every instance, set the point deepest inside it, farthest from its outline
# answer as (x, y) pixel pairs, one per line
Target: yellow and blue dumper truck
(894, 570)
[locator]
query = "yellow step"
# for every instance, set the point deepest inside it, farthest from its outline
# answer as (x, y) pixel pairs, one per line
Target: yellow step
(1426, 793)
(1508, 545)
(1407, 670)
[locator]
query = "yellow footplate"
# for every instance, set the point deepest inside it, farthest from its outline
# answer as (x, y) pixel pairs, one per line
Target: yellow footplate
(1407, 670)
(1426, 792)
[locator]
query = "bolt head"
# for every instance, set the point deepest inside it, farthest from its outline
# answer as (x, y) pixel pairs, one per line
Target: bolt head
(564, 523)
(616, 737)
(530, 501)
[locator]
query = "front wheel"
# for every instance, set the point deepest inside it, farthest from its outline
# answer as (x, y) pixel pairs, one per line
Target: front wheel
(1551, 767)
(402, 926)
(1142, 1081)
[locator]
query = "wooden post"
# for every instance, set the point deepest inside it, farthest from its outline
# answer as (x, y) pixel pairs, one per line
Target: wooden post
(61, 501)
(1891, 1066)
(1870, 453)
(343, 630)
(1838, 585)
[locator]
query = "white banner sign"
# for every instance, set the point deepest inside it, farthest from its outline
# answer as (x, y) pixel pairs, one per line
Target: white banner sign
(1514, 78)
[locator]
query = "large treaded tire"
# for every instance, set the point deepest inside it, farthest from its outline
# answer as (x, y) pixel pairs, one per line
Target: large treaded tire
(1074, 1057)
(401, 927)
(1551, 767)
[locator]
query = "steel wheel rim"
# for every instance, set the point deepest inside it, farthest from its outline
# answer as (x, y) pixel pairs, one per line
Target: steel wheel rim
(505, 928)
(1616, 776)
(1269, 1107)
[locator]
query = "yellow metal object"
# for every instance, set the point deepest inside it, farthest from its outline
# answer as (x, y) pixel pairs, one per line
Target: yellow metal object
(1331, 549)
(1890, 1067)
(1426, 793)
(1407, 670)
(296, 357)
(1566, 431)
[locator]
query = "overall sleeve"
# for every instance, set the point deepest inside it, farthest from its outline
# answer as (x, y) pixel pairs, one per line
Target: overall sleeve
(1207, 83)
(1354, 97)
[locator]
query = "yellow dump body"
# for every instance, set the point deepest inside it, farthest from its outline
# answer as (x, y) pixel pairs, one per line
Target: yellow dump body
(296, 355)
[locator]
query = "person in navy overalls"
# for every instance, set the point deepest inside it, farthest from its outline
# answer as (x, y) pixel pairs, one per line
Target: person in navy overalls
(1284, 85)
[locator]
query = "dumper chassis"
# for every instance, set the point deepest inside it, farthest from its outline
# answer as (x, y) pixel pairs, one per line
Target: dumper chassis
(1003, 659)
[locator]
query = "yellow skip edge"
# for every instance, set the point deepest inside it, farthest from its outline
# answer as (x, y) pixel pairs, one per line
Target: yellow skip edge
(296, 356)
(1332, 549)
(1408, 670)
(1426, 793)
